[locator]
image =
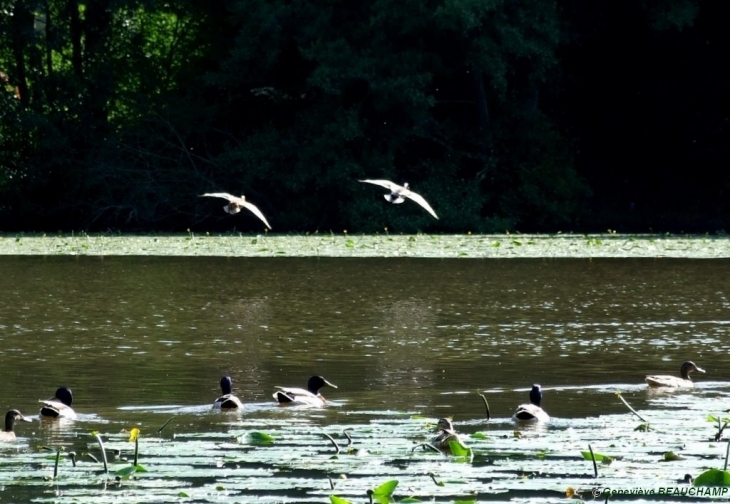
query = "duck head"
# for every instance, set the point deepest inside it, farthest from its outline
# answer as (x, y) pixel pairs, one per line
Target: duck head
(689, 367)
(317, 382)
(536, 395)
(226, 385)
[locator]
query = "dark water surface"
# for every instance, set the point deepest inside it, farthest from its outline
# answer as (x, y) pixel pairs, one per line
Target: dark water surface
(391, 332)
(138, 337)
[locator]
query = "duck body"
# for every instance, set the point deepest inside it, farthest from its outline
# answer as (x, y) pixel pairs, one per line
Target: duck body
(532, 412)
(228, 400)
(675, 381)
(59, 406)
(236, 203)
(288, 396)
(446, 434)
(8, 434)
(398, 194)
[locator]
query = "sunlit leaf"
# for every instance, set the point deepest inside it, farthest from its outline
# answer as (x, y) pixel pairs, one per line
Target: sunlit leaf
(714, 478)
(604, 459)
(459, 450)
(259, 438)
(479, 435)
(338, 500)
(670, 456)
(386, 489)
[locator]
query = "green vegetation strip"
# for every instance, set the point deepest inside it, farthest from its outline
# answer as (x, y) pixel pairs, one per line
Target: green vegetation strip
(378, 245)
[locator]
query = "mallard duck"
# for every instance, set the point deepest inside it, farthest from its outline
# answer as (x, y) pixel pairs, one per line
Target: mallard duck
(674, 381)
(446, 433)
(10, 418)
(58, 406)
(296, 396)
(532, 411)
(236, 203)
(227, 400)
(398, 193)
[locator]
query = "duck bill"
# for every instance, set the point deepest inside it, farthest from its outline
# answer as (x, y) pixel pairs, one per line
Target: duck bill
(25, 419)
(699, 369)
(333, 385)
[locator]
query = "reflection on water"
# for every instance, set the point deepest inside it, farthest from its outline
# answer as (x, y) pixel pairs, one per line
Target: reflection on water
(398, 334)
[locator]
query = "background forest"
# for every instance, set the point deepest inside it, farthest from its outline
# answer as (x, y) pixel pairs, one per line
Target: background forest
(527, 115)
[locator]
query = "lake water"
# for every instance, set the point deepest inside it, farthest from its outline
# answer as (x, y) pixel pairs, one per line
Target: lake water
(140, 340)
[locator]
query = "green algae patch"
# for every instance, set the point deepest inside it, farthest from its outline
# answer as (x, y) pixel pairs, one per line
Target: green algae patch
(380, 245)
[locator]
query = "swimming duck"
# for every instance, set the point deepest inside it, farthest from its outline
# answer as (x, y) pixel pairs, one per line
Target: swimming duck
(58, 406)
(446, 433)
(532, 411)
(236, 203)
(398, 193)
(10, 418)
(297, 396)
(227, 400)
(674, 381)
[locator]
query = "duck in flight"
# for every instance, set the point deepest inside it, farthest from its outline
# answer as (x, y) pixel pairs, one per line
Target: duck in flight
(398, 194)
(236, 203)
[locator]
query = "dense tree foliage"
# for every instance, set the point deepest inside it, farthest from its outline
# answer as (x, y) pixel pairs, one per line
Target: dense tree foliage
(529, 115)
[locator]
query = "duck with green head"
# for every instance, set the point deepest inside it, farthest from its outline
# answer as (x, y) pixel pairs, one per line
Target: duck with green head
(532, 411)
(58, 406)
(12, 416)
(227, 400)
(675, 381)
(288, 396)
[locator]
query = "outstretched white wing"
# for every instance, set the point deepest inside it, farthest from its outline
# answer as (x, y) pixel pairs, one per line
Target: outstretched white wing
(407, 193)
(224, 195)
(256, 212)
(392, 186)
(404, 192)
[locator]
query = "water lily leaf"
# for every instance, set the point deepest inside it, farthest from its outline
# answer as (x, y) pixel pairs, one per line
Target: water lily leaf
(714, 478)
(338, 500)
(386, 489)
(133, 435)
(479, 435)
(604, 459)
(472, 501)
(259, 438)
(670, 456)
(642, 428)
(127, 471)
(183, 494)
(459, 450)
(410, 499)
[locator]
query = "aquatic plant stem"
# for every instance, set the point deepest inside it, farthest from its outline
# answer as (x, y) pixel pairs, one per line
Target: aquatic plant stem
(165, 425)
(426, 445)
(136, 449)
(347, 435)
(337, 447)
(58, 456)
(486, 404)
(103, 452)
(727, 452)
(593, 457)
(630, 408)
